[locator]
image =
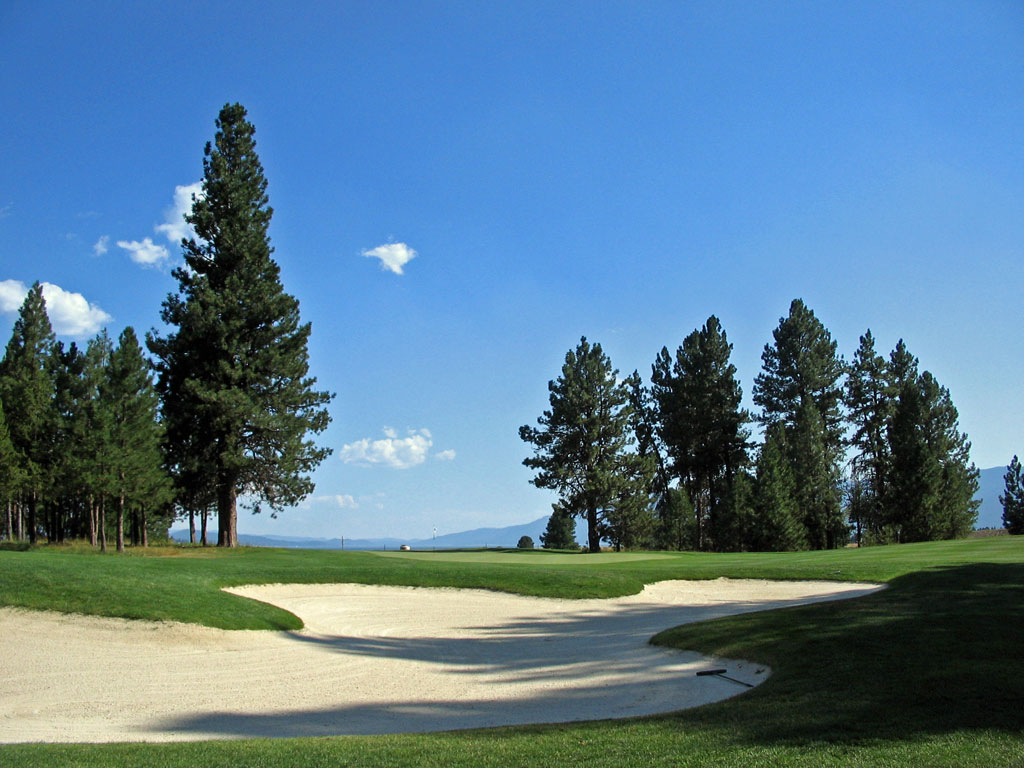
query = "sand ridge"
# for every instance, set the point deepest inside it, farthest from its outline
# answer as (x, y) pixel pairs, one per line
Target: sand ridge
(373, 659)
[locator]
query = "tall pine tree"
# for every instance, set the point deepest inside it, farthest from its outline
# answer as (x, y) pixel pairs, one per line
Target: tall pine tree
(27, 391)
(701, 423)
(138, 480)
(869, 399)
(582, 448)
(800, 389)
(1012, 498)
(777, 527)
(237, 363)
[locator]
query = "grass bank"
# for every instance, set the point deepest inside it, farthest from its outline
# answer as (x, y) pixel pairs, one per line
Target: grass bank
(925, 673)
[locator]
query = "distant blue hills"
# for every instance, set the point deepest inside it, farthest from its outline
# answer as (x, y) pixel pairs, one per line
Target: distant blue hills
(990, 487)
(990, 515)
(478, 537)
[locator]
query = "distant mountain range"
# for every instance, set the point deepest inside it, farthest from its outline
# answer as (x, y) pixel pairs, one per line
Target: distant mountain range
(990, 515)
(990, 488)
(479, 537)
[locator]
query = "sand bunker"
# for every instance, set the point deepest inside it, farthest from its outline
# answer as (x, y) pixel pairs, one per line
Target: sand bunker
(372, 660)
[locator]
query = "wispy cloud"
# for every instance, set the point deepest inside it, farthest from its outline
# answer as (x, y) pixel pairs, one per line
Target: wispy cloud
(392, 451)
(147, 253)
(340, 500)
(100, 246)
(175, 228)
(70, 313)
(448, 455)
(393, 256)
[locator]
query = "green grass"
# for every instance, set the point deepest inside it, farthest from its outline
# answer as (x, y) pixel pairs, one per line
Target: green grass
(927, 672)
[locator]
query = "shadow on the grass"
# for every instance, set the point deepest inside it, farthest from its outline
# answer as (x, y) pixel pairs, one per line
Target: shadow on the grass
(939, 651)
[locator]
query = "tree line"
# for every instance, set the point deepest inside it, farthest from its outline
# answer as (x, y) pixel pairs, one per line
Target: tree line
(111, 442)
(869, 450)
(80, 438)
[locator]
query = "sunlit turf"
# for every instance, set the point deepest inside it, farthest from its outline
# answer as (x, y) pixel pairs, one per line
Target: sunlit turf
(924, 673)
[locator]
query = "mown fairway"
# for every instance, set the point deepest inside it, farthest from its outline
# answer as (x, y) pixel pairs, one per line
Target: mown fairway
(924, 673)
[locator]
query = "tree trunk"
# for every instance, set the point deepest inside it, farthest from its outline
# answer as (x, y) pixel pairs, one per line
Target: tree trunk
(142, 527)
(206, 514)
(593, 538)
(32, 518)
(227, 513)
(191, 526)
(120, 522)
(92, 520)
(20, 520)
(10, 521)
(102, 513)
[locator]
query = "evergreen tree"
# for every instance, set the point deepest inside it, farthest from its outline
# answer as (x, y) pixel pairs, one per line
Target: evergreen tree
(676, 526)
(581, 449)
(27, 391)
(560, 532)
(238, 362)
(816, 474)
(777, 527)
(800, 389)
(868, 399)
(137, 475)
(737, 516)
(701, 422)
(1012, 498)
(96, 438)
(931, 483)
(914, 475)
(643, 420)
(628, 521)
(10, 475)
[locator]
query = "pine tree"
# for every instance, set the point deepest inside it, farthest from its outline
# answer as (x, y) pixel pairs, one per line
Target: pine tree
(27, 391)
(582, 446)
(10, 475)
(676, 526)
(701, 422)
(817, 481)
(136, 472)
(869, 399)
(1012, 498)
(914, 478)
(930, 482)
(800, 389)
(628, 521)
(560, 532)
(777, 527)
(96, 437)
(238, 363)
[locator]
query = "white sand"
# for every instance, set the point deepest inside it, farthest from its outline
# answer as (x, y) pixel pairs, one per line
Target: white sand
(372, 660)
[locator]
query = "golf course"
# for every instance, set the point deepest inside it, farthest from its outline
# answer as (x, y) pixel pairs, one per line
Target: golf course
(923, 672)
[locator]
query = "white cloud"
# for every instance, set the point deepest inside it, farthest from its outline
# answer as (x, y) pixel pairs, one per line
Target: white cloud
(174, 228)
(448, 455)
(12, 296)
(70, 314)
(392, 451)
(147, 253)
(341, 501)
(393, 256)
(101, 245)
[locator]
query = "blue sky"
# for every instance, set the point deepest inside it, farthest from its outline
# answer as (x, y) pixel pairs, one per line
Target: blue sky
(619, 170)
